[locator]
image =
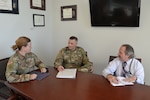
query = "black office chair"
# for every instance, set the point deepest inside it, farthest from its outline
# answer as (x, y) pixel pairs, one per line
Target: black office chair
(5, 92)
(113, 57)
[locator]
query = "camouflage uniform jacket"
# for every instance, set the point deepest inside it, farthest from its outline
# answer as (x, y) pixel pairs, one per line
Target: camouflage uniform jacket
(73, 59)
(19, 66)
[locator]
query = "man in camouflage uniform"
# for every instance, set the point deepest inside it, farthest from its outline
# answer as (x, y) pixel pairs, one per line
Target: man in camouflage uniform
(23, 62)
(73, 57)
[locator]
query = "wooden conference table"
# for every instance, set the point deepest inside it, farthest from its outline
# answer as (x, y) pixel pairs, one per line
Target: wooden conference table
(86, 86)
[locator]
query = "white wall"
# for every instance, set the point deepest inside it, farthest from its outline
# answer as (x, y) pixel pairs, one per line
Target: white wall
(100, 42)
(14, 25)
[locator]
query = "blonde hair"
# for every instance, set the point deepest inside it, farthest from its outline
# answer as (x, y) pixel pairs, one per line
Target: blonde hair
(21, 41)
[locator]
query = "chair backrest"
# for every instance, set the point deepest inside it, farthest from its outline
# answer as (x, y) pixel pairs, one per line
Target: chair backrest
(113, 57)
(5, 92)
(3, 64)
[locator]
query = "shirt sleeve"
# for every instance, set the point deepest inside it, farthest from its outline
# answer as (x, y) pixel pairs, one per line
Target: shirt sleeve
(139, 73)
(38, 62)
(111, 68)
(11, 72)
(87, 65)
(59, 59)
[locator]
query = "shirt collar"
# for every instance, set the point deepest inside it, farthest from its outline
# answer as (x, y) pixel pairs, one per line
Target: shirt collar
(129, 61)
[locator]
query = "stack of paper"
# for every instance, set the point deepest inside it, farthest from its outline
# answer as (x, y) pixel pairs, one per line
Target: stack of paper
(121, 82)
(67, 73)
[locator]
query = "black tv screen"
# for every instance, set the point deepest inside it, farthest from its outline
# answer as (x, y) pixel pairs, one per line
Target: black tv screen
(121, 13)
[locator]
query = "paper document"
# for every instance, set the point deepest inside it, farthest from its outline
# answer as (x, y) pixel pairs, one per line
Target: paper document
(67, 73)
(121, 82)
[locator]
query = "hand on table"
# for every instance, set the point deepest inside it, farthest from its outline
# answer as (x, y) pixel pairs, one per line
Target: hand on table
(60, 68)
(112, 79)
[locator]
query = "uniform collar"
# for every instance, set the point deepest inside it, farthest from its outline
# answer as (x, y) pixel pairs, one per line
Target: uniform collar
(19, 55)
(70, 49)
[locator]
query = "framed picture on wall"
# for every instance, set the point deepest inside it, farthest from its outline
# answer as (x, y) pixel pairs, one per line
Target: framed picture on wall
(38, 4)
(38, 20)
(69, 12)
(9, 6)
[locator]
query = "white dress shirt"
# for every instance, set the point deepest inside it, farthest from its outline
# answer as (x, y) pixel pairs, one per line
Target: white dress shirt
(133, 68)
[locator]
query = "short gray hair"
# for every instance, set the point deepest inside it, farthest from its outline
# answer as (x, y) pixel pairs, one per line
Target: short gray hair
(129, 50)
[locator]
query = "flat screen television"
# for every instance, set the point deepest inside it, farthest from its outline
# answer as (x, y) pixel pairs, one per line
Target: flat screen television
(120, 13)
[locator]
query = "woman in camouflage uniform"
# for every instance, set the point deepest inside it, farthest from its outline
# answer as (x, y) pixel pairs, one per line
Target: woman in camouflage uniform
(23, 62)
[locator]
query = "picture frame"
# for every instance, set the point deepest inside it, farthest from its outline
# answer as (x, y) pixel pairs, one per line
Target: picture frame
(38, 20)
(38, 4)
(68, 12)
(9, 6)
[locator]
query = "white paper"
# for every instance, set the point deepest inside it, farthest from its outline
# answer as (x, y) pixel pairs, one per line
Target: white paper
(39, 20)
(67, 73)
(121, 82)
(5, 4)
(67, 13)
(37, 3)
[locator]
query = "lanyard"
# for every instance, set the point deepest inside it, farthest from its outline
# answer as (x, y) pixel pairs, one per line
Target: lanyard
(129, 72)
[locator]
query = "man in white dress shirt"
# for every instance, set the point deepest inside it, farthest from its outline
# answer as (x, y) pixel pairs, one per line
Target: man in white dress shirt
(125, 65)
